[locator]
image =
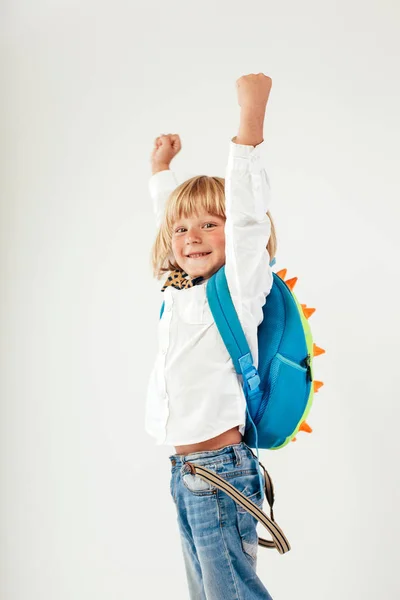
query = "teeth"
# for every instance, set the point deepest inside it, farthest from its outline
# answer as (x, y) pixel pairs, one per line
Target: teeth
(198, 254)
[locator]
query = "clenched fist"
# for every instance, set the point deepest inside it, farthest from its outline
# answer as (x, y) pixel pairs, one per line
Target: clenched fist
(166, 147)
(253, 91)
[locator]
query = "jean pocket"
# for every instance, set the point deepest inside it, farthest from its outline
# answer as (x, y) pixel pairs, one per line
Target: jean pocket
(195, 484)
(256, 498)
(248, 483)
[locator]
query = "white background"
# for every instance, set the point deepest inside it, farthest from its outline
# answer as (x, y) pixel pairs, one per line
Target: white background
(86, 88)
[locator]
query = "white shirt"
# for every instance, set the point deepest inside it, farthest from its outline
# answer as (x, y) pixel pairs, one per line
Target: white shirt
(194, 392)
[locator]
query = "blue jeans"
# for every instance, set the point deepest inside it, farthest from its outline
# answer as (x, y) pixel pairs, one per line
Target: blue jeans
(219, 538)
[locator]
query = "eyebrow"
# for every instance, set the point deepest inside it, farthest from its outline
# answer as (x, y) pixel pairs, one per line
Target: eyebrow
(203, 218)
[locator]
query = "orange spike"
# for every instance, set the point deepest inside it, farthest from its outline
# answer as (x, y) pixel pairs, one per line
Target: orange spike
(305, 427)
(317, 351)
(317, 385)
(282, 273)
(303, 306)
(308, 312)
(294, 439)
(291, 283)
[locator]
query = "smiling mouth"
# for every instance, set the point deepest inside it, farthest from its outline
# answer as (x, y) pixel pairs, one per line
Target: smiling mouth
(198, 255)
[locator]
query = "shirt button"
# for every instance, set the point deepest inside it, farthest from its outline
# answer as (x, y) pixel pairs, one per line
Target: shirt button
(164, 351)
(168, 309)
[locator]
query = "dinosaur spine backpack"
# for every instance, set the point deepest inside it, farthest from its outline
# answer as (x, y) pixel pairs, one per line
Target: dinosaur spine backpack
(280, 392)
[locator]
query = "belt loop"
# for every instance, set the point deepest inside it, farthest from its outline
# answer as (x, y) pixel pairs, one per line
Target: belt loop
(191, 467)
(238, 458)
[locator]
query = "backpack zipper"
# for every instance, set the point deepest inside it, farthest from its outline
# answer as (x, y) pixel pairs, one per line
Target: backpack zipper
(291, 362)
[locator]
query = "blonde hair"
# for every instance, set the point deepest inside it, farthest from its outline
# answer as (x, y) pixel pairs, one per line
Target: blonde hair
(200, 192)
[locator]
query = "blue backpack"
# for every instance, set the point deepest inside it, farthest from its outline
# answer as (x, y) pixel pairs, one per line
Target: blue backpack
(280, 392)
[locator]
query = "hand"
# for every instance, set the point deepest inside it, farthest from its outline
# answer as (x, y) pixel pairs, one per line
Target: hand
(253, 91)
(166, 147)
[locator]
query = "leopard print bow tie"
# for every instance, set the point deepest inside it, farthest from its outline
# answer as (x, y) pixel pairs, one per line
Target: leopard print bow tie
(181, 280)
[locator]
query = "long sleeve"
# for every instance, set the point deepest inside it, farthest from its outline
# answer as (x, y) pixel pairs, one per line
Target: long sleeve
(161, 184)
(247, 229)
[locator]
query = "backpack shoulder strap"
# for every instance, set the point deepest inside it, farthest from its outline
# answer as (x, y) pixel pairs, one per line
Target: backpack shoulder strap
(230, 328)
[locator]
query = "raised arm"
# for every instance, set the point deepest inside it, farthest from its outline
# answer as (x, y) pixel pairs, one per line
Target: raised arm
(247, 192)
(163, 181)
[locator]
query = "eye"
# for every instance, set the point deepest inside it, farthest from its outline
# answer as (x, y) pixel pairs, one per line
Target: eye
(205, 224)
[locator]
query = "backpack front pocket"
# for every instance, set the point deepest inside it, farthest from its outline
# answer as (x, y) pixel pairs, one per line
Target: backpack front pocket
(289, 388)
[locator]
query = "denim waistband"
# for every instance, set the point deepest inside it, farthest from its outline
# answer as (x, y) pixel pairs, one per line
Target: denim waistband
(232, 452)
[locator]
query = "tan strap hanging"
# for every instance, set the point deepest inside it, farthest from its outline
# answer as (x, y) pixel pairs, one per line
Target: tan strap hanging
(279, 540)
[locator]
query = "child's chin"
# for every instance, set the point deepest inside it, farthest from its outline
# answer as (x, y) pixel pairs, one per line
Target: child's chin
(206, 273)
(199, 273)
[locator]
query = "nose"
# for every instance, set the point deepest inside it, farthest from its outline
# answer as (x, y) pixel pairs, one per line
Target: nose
(193, 236)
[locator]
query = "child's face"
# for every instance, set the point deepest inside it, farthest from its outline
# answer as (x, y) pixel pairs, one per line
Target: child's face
(197, 234)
